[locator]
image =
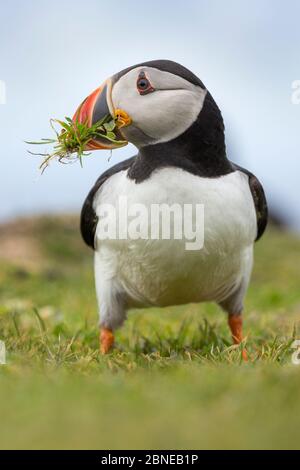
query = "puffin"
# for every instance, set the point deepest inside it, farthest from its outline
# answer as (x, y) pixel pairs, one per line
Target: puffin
(168, 114)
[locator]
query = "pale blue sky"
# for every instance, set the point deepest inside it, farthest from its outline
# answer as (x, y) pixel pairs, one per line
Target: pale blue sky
(53, 53)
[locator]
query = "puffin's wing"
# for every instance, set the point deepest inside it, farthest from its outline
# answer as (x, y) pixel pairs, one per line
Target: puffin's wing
(259, 199)
(89, 219)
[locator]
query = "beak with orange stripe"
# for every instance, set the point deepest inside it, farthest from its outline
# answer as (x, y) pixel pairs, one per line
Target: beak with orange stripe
(97, 106)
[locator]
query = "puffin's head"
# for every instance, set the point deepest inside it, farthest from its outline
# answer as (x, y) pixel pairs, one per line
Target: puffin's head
(154, 102)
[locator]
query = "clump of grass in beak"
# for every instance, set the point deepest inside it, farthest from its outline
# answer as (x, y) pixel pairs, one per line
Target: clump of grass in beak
(73, 138)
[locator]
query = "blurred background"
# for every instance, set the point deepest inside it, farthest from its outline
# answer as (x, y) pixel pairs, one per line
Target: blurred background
(52, 54)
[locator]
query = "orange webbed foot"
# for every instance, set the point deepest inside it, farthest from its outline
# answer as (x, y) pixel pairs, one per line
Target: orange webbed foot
(107, 340)
(244, 355)
(236, 327)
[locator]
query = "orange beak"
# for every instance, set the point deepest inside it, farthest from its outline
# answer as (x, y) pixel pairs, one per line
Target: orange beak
(94, 108)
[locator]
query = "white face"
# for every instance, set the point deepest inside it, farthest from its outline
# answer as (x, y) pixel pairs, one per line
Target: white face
(159, 115)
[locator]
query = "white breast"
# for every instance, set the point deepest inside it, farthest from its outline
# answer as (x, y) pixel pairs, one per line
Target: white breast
(163, 272)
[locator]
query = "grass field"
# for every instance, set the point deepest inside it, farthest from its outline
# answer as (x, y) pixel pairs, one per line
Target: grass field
(174, 380)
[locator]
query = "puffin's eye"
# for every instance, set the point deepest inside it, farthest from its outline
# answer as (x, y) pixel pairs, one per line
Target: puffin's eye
(143, 85)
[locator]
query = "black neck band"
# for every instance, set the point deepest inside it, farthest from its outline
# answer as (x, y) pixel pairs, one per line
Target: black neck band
(200, 150)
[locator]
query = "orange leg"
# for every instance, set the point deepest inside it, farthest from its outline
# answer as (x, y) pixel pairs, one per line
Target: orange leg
(236, 327)
(106, 340)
